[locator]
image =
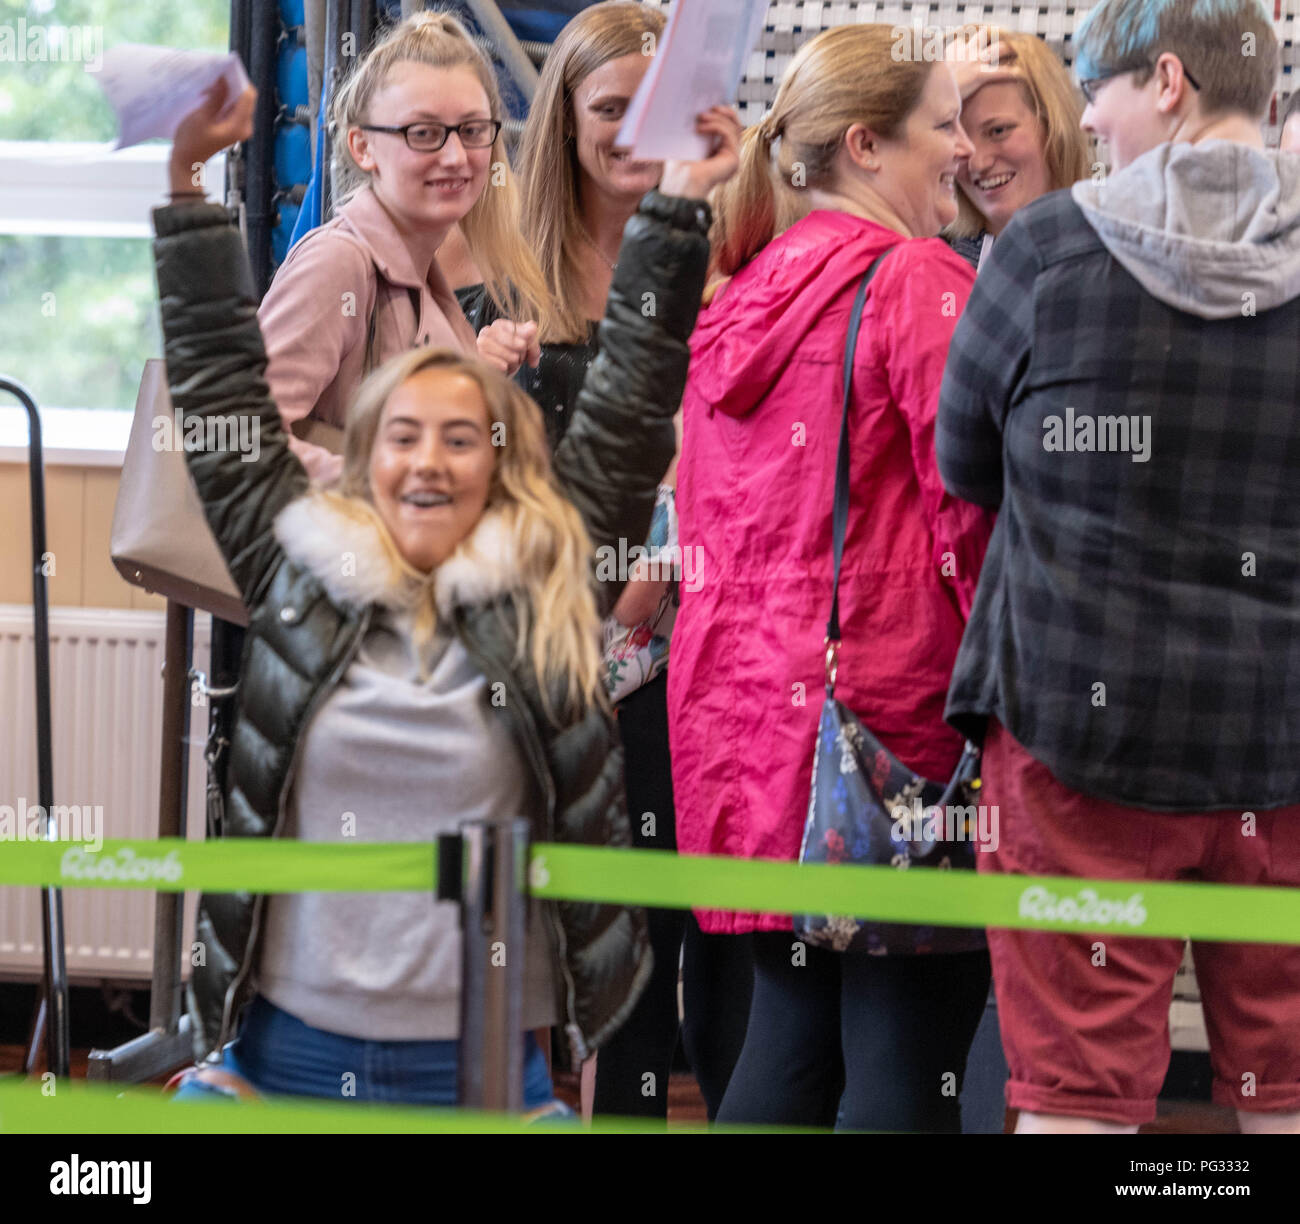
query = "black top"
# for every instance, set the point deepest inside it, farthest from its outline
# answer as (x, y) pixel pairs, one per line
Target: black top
(969, 248)
(558, 378)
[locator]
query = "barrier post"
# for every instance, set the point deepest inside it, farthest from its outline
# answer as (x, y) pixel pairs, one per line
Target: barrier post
(165, 995)
(53, 1013)
(494, 858)
(167, 1045)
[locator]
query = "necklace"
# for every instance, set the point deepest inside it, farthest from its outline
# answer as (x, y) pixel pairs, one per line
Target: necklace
(591, 242)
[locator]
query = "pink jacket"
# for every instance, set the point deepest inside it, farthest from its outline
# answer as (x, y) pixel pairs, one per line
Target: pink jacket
(761, 417)
(316, 314)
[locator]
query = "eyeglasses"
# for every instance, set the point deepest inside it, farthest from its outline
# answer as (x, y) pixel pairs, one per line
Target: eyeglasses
(427, 137)
(1089, 87)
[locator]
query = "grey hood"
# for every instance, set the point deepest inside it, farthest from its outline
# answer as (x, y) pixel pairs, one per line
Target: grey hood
(1202, 225)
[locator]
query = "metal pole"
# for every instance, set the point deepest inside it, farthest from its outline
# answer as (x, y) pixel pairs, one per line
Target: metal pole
(361, 20)
(258, 150)
(240, 23)
(508, 49)
(58, 1052)
(493, 908)
(165, 996)
(338, 16)
(166, 1045)
(314, 37)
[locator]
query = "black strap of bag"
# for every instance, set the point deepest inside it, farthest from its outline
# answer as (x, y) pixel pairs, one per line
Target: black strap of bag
(840, 511)
(857, 780)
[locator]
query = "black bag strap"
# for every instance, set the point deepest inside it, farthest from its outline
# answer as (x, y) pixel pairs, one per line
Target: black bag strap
(840, 511)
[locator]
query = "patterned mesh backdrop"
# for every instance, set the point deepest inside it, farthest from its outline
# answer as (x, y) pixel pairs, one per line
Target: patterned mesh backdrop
(791, 22)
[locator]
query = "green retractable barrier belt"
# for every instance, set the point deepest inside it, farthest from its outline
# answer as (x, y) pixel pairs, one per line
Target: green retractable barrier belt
(666, 880)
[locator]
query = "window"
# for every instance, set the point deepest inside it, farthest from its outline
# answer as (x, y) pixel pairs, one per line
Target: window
(51, 43)
(78, 302)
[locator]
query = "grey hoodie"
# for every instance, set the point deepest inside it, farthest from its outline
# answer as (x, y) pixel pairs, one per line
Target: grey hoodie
(1200, 226)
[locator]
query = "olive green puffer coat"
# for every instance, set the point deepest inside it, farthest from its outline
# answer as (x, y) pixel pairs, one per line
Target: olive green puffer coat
(306, 622)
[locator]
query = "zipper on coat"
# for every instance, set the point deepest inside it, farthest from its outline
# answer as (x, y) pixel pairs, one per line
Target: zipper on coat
(259, 902)
(534, 750)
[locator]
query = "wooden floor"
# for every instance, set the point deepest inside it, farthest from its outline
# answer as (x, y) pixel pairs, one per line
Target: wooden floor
(685, 1105)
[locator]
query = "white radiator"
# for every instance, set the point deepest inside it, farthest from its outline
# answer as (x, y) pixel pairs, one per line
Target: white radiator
(106, 709)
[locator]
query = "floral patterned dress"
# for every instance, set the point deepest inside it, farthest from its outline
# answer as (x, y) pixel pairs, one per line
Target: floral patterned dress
(635, 656)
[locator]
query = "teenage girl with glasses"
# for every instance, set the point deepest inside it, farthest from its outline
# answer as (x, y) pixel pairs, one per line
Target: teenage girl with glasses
(417, 137)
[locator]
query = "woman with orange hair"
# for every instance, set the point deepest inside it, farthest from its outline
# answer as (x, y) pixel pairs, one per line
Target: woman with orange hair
(1021, 112)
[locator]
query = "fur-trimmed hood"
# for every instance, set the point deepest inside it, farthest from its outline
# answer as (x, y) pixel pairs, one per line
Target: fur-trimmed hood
(344, 543)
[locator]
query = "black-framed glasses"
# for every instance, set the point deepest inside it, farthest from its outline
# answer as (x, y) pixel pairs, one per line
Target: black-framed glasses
(426, 137)
(1089, 87)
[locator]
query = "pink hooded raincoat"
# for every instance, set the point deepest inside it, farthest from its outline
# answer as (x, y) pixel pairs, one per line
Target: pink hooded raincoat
(761, 417)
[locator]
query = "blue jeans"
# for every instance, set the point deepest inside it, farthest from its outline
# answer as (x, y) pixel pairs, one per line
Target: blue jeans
(280, 1055)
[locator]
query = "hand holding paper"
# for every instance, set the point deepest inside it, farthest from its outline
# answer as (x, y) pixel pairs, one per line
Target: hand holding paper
(215, 125)
(152, 89)
(700, 61)
(719, 126)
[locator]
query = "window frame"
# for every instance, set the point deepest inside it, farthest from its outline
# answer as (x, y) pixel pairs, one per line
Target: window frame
(81, 189)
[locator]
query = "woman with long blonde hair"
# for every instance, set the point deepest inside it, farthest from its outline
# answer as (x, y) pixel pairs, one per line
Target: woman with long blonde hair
(422, 651)
(580, 188)
(418, 150)
(854, 167)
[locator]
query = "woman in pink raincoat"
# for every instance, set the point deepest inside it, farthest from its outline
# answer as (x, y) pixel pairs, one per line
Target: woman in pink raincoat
(865, 149)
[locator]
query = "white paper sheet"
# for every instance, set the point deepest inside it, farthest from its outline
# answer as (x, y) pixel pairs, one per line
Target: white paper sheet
(152, 89)
(700, 61)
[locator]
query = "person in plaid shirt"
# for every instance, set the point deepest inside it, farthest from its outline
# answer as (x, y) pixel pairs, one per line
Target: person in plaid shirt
(1124, 388)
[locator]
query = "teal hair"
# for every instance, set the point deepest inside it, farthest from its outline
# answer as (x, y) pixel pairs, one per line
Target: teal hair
(1121, 35)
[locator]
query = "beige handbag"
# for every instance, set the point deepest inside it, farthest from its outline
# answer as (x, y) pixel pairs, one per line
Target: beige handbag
(160, 539)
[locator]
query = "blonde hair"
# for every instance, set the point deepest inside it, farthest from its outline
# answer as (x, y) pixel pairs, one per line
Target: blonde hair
(1052, 98)
(554, 603)
(548, 167)
(491, 227)
(845, 75)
